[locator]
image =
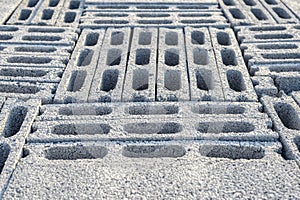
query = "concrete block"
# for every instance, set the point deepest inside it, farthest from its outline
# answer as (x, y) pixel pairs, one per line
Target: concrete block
(285, 112)
(78, 76)
(172, 74)
(205, 83)
(70, 13)
(16, 119)
(109, 77)
(279, 11)
(157, 169)
(7, 8)
(234, 75)
(140, 80)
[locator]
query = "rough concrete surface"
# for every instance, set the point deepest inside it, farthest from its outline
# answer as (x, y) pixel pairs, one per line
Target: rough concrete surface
(142, 99)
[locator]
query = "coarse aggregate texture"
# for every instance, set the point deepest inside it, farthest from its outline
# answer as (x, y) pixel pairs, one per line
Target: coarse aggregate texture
(146, 99)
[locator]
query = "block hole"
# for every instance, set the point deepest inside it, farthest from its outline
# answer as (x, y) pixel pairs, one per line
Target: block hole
(24, 15)
(259, 14)
(229, 2)
(158, 22)
(85, 110)
(114, 57)
(171, 57)
(223, 38)
(153, 110)
(277, 46)
(32, 3)
(81, 129)
(47, 14)
(4, 153)
(249, 2)
(69, 17)
(109, 79)
(228, 57)
(277, 56)
(25, 152)
(153, 151)
(15, 72)
(18, 89)
(151, 7)
(85, 57)
(153, 128)
(75, 152)
(198, 37)
(288, 115)
(53, 3)
(150, 15)
(114, 7)
(91, 39)
(9, 28)
(171, 38)
(273, 36)
(46, 30)
(271, 2)
(200, 56)
(112, 21)
(6, 37)
(281, 13)
(236, 81)
(74, 4)
(142, 56)
(76, 81)
(36, 49)
(236, 13)
(225, 127)
(41, 38)
(110, 15)
(145, 38)
(15, 120)
(232, 151)
(140, 79)
(218, 109)
(172, 80)
(117, 38)
(29, 60)
(268, 28)
(205, 79)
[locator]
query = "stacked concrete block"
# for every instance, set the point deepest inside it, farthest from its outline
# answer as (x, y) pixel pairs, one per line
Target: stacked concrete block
(234, 75)
(205, 82)
(141, 70)
(181, 167)
(109, 77)
(97, 15)
(172, 73)
(48, 12)
(285, 112)
(153, 121)
(16, 118)
(78, 76)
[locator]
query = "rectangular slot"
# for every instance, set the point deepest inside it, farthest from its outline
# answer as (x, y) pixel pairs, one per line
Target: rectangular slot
(273, 36)
(228, 57)
(4, 153)
(47, 38)
(155, 22)
(153, 128)
(236, 81)
(81, 129)
(200, 56)
(25, 14)
(225, 127)
(109, 79)
(85, 110)
(172, 57)
(218, 109)
(53, 3)
(171, 38)
(6, 37)
(281, 13)
(259, 14)
(153, 110)
(140, 80)
(69, 17)
(76, 81)
(114, 57)
(288, 115)
(172, 80)
(29, 60)
(198, 37)
(229, 2)
(74, 5)
(46, 30)
(36, 49)
(236, 13)
(117, 38)
(14, 121)
(85, 57)
(111, 21)
(19, 89)
(145, 38)
(223, 38)
(205, 79)
(22, 72)
(32, 3)
(47, 14)
(142, 56)
(91, 39)
(153, 151)
(249, 2)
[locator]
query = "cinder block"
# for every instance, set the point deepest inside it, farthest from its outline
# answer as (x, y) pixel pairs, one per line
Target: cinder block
(109, 77)
(141, 70)
(16, 119)
(172, 74)
(97, 15)
(279, 11)
(27, 90)
(78, 76)
(7, 8)
(147, 165)
(285, 113)
(70, 13)
(234, 75)
(205, 83)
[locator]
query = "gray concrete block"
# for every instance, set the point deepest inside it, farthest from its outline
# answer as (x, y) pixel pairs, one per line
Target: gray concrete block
(97, 15)
(27, 90)
(109, 77)
(155, 170)
(205, 83)
(78, 76)
(38, 35)
(16, 119)
(172, 73)
(279, 11)
(140, 80)
(70, 13)
(234, 75)
(285, 112)
(7, 8)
